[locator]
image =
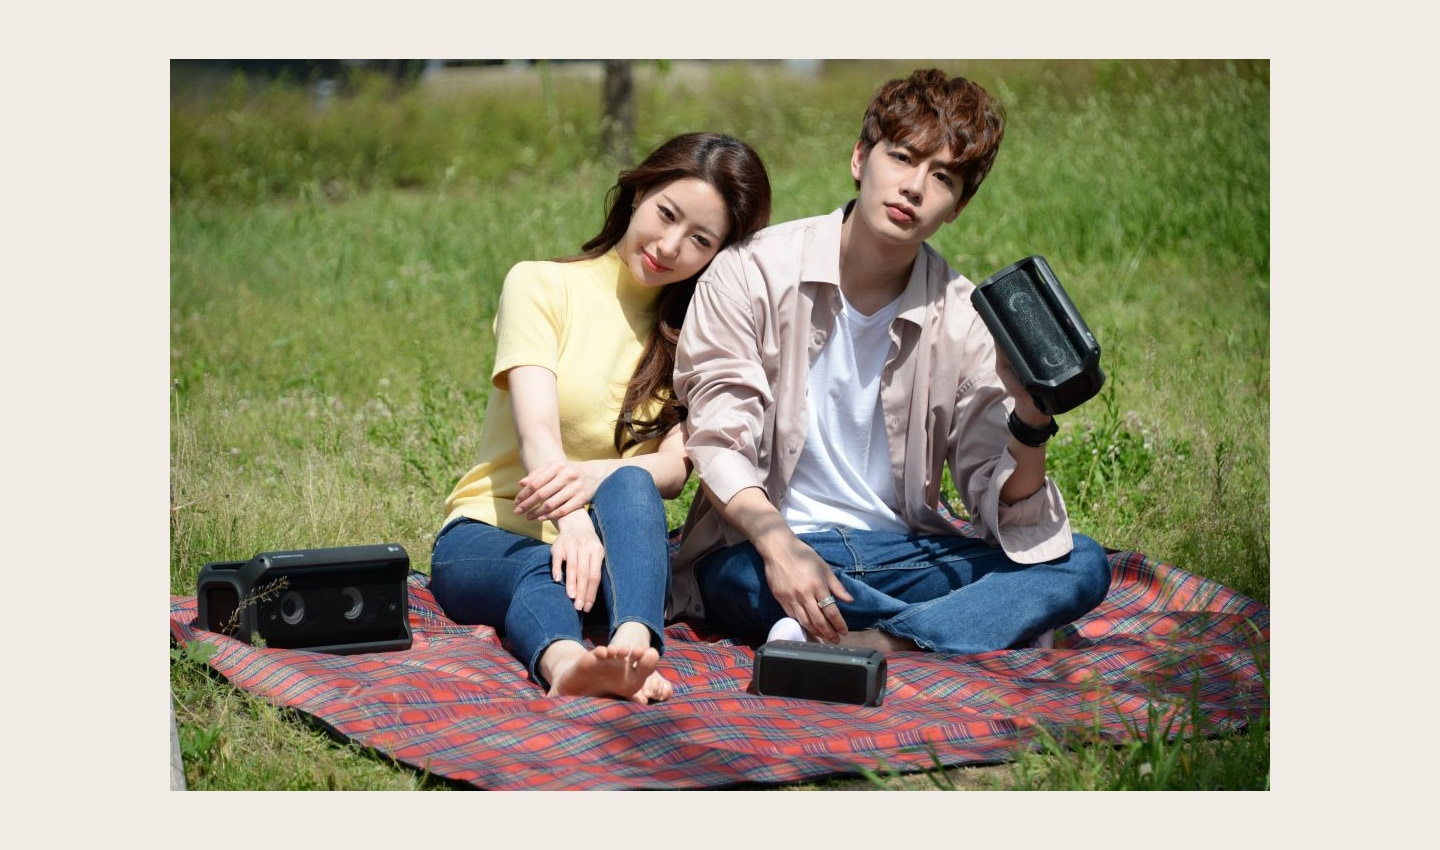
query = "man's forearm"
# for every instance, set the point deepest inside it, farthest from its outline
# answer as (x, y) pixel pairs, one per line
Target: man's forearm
(751, 512)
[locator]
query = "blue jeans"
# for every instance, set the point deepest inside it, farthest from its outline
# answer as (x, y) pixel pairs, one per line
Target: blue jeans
(947, 594)
(485, 575)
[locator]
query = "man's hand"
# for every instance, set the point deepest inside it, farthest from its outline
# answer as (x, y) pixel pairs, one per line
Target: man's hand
(800, 581)
(1025, 409)
(797, 577)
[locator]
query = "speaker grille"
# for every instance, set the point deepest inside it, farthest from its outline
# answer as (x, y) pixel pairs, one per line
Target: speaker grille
(319, 609)
(834, 682)
(1020, 303)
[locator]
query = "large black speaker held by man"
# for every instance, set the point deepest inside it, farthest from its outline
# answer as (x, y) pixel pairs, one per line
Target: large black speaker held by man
(1037, 326)
(340, 600)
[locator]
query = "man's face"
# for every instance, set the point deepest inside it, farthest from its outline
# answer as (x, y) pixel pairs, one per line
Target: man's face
(903, 195)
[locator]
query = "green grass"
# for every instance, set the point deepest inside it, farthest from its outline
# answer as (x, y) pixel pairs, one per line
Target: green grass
(334, 273)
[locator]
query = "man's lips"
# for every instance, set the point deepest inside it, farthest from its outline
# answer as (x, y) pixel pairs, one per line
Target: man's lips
(653, 265)
(900, 213)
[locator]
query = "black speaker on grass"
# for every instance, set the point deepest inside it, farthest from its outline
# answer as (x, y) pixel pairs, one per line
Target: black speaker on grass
(341, 600)
(1037, 326)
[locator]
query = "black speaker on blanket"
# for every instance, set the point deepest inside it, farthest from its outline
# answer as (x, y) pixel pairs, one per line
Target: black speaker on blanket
(1037, 326)
(341, 600)
(818, 671)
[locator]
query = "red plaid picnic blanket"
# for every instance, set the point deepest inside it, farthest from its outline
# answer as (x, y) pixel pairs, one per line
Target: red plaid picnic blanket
(1164, 647)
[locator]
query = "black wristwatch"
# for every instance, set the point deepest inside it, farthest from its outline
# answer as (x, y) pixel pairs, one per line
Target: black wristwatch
(1032, 437)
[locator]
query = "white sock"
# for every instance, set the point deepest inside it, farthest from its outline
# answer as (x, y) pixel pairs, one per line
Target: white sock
(1044, 640)
(786, 628)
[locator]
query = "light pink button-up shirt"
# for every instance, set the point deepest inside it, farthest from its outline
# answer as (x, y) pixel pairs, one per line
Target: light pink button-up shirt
(761, 313)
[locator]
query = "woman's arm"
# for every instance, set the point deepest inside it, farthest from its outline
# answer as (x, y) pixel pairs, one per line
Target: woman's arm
(555, 486)
(535, 404)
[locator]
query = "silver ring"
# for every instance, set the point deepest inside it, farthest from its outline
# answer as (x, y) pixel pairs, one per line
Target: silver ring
(826, 602)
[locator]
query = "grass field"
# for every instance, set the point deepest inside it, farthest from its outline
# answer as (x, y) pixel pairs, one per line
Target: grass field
(335, 264)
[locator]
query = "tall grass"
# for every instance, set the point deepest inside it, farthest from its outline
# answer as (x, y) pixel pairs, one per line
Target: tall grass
(335, 264)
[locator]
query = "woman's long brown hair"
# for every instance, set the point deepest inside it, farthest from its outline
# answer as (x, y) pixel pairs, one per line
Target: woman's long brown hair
(736, 172)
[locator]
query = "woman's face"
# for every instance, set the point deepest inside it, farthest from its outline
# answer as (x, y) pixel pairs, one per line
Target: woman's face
(675, 231)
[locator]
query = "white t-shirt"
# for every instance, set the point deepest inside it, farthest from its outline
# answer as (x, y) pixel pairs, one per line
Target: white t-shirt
(843, 476)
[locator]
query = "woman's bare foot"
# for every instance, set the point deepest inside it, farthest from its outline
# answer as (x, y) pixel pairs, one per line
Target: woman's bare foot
(657, 687)
(613, 671)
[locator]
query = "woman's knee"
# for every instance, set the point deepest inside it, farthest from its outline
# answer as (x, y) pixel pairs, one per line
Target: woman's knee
(630, 489)
(630, 481)
(474, 563)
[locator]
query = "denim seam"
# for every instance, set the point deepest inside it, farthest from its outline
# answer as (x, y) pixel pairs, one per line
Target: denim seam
(607, 578)
(857, 565)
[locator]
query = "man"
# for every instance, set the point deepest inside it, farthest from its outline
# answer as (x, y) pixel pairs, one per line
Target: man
(831, 368)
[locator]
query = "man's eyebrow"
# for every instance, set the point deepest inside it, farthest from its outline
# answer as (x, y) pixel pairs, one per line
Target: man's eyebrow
(953, 166)
(681, 210)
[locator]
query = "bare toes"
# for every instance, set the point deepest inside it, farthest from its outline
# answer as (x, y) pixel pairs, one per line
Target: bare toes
(657, 688)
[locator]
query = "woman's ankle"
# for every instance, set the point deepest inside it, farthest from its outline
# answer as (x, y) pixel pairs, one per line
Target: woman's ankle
(632, 633)
(558, 657)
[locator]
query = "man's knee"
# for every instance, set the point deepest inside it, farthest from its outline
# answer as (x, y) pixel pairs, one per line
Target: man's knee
(1092, 569)
(732, 584)
(732, 568)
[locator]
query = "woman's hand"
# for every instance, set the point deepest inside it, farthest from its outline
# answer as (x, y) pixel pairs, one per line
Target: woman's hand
(577, 555)
(555, 489)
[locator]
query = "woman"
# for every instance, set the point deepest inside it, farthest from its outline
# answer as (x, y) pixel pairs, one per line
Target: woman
(562, 519)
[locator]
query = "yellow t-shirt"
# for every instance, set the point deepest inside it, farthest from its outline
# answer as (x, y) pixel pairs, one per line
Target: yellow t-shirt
(585, 321)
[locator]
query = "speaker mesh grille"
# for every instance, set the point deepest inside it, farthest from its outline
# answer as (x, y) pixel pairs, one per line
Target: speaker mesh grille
(1020, 304)
(316, 609)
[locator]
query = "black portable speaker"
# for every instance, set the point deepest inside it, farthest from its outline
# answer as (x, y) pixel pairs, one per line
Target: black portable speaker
(791, 668)
(341, 600)
(1037, 326)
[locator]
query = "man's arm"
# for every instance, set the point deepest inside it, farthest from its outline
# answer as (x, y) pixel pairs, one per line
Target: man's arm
(797, 577)
(1029, 474)
(1003, 481)
(720, 377)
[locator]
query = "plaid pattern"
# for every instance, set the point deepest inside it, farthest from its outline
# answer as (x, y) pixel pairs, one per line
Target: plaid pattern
(1164, 644)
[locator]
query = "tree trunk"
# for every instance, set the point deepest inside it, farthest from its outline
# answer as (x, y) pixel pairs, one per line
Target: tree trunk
(617, 128)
